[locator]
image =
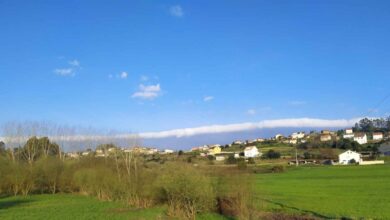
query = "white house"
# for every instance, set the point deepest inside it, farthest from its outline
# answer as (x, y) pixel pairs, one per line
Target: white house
(278, 136)
(348, 156)
(237, 142)
(325, 137)
(348, 133)
(168, 151)
(377, 136)
(293, 141)
(251, 151)
(298, 135)
(361, 138)
(220, 158)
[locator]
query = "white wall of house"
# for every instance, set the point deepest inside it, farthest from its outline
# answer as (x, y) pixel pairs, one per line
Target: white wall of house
(348, 136)
(297, 135)
(377, 137)
(361, 139)
(220, 158)
(349, 155)
(251, 152)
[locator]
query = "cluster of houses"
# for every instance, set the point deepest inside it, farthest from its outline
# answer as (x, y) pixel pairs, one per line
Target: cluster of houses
(326, 135)
(115, 150)
(216, 151)
(251, 151)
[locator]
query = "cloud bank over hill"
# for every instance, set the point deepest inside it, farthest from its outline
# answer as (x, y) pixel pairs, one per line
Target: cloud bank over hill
(240, 127)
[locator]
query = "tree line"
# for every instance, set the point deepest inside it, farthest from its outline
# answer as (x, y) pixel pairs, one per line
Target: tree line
(37, 167)
(373, 125)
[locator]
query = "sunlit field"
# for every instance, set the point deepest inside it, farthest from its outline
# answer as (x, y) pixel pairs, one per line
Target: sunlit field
(353, 192)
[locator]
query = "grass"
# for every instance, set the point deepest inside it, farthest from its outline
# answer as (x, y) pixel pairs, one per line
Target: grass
(328, 192)
(62, 206)
(355, 192)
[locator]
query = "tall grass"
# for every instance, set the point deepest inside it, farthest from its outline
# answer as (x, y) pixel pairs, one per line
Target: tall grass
(185, 189)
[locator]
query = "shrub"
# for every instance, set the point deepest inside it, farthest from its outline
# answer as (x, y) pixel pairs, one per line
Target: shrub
(241, 164)
(186, 191)
(251, 161)
(278, 169)
(271, 154)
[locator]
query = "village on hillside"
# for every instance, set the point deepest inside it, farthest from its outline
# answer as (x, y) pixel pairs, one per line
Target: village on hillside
(348, 146)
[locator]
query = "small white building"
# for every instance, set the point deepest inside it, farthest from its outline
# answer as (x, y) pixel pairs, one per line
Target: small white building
(278, 136)
(348, 133)
(298, 135)
(325, 137)
(293, 141)
(348, 156)
(361, 138)
(168, 151)
(219, 158)
(251, 151)
(377, 136)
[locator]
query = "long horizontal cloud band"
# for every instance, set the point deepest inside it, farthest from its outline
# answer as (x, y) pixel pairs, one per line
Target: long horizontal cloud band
(280, 123)
(211, 129)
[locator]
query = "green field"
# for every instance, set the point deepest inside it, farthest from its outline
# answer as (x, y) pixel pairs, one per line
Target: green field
(329, 192)
(77, 207)
(355, 192)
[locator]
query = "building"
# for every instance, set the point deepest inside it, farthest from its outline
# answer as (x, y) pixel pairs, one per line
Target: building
(325, 137)
(278, 136)
(298, 135)
(215, 150)
(220, 158)
(251, 151)
(361, 138)
(377, 136)
(349, 157)
(325, 132)
(168, 151)
(74, 155)
(293, 141)
(348, 133)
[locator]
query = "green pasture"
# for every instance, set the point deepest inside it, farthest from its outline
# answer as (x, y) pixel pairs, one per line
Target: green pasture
(329, 192)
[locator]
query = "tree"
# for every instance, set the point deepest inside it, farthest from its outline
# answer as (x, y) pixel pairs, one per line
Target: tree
(271, 154)
(2, 148)
(366, 125)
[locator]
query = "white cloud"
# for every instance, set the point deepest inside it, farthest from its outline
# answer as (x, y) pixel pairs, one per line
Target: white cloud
(74, 63)
(148, 92)
(280, 123)
(208, 98)
(123, 75)
(176, 11)
(251, 112)
(295, 102)
(64, 72)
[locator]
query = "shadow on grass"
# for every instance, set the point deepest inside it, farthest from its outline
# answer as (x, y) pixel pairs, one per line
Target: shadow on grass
(300, 210)
(14, 202)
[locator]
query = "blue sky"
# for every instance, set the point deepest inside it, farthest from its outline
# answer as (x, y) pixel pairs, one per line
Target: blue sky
(158, 65)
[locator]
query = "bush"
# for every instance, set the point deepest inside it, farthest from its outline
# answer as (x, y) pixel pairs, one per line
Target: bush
(186, 191)
(251, 161)
(278, 169)
(231, 160)
(271, 154)
(241, 164)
